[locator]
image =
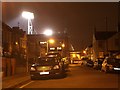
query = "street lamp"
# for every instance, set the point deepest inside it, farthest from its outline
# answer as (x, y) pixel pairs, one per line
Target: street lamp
(48, 32)
(63, 45)
(51, 41)
(29, 16)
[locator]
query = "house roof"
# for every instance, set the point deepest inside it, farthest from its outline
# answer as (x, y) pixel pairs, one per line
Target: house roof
(103, 35)
(6, 27)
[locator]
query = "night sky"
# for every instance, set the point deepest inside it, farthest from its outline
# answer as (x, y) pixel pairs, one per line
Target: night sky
(76, 18)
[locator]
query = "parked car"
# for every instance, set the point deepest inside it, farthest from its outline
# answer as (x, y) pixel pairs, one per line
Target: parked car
(98, 63)
(66, 62)
(76, 61)
(90, 63)
(47, 67)
(84, 61)
(111, 65)
(54, 54)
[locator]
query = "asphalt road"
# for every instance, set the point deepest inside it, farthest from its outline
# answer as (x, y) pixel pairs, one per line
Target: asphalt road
(78, 77)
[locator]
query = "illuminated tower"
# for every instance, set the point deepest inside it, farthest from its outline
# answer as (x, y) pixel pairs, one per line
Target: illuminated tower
(29, 16)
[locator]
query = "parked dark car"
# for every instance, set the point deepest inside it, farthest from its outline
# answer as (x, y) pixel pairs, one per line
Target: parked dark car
(90, 63)
(66, 62)
(98, 63)
(47, 67)
(58, 56)
(111, 65)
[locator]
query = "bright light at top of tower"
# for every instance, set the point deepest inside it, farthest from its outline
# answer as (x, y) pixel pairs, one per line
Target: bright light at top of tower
(28, 15)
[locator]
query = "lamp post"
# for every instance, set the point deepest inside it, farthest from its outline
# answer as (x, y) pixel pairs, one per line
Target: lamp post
(48, 32)
(51, 41)
(29, 16)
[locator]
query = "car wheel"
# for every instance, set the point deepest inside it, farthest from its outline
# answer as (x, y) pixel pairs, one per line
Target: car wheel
(94, 67)
(33, 78)
(106, 69)
(102, 69)
(62, 75)
(82, 63)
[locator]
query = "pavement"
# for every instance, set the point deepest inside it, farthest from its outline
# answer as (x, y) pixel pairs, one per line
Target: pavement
(12, 81)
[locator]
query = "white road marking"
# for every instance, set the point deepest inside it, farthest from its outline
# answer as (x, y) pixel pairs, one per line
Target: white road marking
(26, 84)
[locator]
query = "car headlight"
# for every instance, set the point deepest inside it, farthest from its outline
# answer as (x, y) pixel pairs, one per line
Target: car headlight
(56, 67)
(110, 66)
(32, 69)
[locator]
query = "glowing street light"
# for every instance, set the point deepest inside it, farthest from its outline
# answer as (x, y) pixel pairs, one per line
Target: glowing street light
(63, 45)
(51, 41)
(16, 43)
(84, 51)
(48, 32)
(29, 16)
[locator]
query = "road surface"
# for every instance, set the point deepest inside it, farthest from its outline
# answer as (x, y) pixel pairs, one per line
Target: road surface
(78, 77)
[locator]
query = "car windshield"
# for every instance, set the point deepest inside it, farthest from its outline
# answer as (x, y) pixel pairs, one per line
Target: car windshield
(113, 61)
(100, 60)
(47, 61)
